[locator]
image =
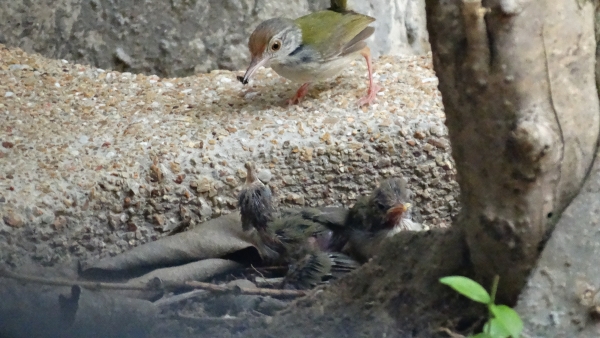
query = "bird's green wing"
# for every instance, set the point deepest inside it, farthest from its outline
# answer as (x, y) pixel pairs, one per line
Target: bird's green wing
(332, 33)
(293, 230)
(331, 217)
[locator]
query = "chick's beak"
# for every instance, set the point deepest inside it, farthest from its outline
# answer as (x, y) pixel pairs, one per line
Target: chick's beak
(256, 63)
(394, 214)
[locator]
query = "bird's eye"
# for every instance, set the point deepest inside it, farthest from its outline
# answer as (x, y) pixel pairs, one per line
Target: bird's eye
(276, 45)
(381, 206)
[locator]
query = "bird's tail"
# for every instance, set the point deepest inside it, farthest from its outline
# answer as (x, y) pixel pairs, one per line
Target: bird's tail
(338, 6)
(318, 268)
(341, 264)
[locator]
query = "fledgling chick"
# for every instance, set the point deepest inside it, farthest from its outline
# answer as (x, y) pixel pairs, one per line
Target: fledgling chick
(282, 237)
(317, 268)
(255, 201)
(382, 214)
(306, 243)
(299, 236)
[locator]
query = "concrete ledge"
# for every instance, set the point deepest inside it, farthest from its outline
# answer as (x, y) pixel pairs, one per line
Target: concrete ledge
(94, 162)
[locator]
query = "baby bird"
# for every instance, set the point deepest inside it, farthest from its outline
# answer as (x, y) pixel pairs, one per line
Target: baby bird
(288, 237)
(254, 201)
(303, 244)
(294, 236)
(281, 236)
(382, 214)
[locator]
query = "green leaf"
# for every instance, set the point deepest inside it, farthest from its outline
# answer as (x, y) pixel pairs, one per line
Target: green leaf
(468, 288)
(495, 329)
(509, 318)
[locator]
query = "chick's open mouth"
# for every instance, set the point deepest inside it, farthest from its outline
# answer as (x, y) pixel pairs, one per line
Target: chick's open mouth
(395, 214)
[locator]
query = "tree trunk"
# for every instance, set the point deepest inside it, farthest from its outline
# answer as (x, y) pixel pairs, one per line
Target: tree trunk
(517, 80)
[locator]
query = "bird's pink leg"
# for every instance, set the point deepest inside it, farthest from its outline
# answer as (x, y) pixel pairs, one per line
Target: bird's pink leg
(299, 94)
(373, 87)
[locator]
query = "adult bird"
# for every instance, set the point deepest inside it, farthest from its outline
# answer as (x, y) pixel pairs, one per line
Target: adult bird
(312, 48)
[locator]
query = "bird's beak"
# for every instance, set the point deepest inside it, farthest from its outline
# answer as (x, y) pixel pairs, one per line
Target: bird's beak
(256, 63)
(394, 214)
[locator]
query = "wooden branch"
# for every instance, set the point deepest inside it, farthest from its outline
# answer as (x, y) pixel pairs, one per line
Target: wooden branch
(154, 285)
(247, 291)
(281, 269)
(168, 301)
(261, 282)
(203, 322)
(4, 273)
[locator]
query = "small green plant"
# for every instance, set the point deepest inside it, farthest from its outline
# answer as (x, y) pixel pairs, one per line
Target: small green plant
(504, 322)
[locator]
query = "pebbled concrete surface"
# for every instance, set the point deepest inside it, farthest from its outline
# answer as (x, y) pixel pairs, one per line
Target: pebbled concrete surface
(94, 162)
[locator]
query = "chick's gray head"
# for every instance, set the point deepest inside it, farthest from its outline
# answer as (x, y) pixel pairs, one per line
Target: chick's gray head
(390, 204)
(255, 201)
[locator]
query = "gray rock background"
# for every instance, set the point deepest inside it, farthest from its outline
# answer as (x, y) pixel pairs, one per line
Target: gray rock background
(562, 298)
(181, 37)
(400, 27)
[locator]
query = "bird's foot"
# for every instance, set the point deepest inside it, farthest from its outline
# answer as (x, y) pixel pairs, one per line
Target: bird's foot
(371, 94)
(294, 101)
(299, 95)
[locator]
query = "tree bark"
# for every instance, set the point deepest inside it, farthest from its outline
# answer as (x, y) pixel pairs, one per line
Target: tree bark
(518, 86)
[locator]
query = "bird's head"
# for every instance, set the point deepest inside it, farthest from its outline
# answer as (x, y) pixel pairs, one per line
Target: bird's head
(390, 201)
(272, 41)
(250, 173)
(254, 201)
